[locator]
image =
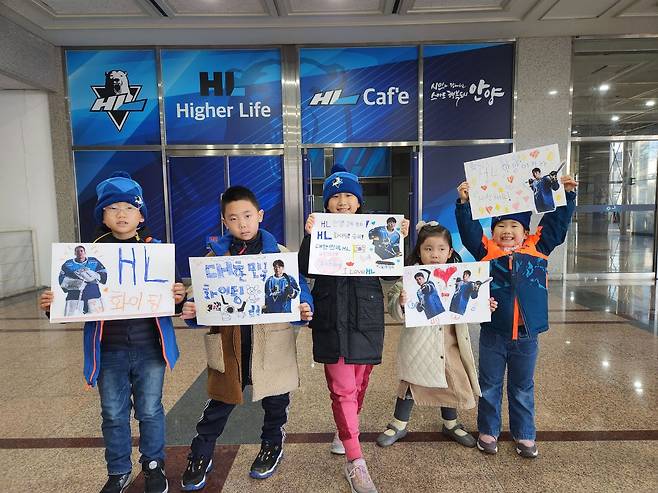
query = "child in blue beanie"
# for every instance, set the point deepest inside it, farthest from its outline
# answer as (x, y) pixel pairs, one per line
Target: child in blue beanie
(519, 264)
(348, 331)
(127, 358)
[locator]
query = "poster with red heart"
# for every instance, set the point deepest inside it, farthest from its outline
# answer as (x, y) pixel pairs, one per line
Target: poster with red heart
(521, 181)
(356, 245)
(441, 294)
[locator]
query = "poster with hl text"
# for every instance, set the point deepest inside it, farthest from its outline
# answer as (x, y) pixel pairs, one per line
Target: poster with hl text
(441, 294)
(105, 281)
(356, 245)
(245, 290)
(521, 181)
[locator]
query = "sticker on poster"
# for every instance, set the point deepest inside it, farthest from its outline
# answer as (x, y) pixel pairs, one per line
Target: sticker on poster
(521, 181)
(107, 281)
(440, 294)
(356, 245)
(246, 290)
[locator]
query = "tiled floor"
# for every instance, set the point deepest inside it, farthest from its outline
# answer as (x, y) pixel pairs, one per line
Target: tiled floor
(597, 391)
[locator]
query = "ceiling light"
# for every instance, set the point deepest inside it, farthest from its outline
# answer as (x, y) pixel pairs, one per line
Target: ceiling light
(650, 103)
(574, 132)
(604, 87)
(615, 118)
(552, 92)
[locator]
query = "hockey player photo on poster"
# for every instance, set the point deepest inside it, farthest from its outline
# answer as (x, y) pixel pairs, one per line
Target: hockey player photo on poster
(447, 293)
(246, 289)
(105, 281)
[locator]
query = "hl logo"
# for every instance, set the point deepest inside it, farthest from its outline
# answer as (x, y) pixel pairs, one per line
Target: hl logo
(222, 84)
(328, 98)
(117, 97)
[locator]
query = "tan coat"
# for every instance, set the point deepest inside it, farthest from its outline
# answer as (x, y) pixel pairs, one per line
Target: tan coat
(421, 358)
(274, 368)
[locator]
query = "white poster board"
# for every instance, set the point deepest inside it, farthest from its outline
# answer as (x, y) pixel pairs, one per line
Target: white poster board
(246, 289)
(356, 245)
(507, 184)
(106, 281)
(447, 294)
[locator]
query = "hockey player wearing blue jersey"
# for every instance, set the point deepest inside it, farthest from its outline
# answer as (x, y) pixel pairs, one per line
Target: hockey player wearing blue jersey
(542, 189)
(280, 289)
(465, 290)
(428, 297)
(79, 278)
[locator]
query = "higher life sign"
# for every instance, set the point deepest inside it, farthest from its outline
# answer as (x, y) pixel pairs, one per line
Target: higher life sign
(222, 96)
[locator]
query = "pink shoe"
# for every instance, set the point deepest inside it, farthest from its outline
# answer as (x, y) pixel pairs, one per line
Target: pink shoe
(358, 476)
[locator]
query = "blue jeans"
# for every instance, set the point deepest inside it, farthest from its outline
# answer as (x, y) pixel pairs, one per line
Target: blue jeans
(520, 356)
(127, 379)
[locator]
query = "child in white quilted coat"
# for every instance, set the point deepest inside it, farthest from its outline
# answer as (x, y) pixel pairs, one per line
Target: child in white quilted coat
(435, 363)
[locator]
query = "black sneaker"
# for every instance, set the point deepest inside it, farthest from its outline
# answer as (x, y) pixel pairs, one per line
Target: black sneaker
(155, 480)
(267, 460)
(194, 477)
(116, 483)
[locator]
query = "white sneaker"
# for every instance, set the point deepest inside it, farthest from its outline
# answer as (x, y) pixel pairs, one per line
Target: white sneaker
(358, 476)
(337, 446)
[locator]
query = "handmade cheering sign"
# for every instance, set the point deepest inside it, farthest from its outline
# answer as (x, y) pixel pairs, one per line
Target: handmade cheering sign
(245, 290)
(356, 245)
(447, 293)
(105, 281)
(520, 181)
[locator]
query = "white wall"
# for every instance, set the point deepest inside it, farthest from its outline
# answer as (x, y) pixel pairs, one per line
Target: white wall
(27, 200)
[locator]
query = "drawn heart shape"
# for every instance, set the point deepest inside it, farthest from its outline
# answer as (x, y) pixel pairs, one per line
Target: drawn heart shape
(510, 178)
(445, 295)
(516, 205)
(483, 187)
(489, 209)
(519, 192)
(534, 154)
(349, 264)
(526, 198)
(444, 275)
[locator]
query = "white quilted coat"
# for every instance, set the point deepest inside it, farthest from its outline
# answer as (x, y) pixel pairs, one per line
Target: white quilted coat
(421, 358)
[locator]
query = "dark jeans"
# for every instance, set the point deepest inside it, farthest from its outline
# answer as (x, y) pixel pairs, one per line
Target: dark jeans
(519, 357)
(127, 379)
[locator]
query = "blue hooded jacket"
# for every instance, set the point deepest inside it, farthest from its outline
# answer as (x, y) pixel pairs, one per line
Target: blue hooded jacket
(93, 334)
(519, 282)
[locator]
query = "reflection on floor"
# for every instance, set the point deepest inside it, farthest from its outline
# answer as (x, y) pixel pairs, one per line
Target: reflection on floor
(597, 389)
(608, 251)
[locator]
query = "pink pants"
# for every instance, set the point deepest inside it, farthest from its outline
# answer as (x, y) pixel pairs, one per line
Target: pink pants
(347, 385)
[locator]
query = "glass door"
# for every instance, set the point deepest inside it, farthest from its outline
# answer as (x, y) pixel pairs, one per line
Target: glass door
(613, 229)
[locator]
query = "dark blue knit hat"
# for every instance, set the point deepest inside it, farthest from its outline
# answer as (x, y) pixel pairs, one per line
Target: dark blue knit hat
(520, 217)
(119, 187)
(341, 181)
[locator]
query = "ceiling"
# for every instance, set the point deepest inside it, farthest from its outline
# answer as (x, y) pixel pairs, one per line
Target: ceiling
(198, 22)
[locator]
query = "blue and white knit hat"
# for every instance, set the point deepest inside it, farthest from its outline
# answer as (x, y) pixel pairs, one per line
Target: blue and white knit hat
(520, 217)
(119, 187)
(341, 181)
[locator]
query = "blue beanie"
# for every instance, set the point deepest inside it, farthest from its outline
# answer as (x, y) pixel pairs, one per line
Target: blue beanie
(120, 187)
(520, 217)
(341, 181)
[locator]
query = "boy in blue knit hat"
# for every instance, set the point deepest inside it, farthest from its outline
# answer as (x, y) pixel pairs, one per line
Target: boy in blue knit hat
(128, 357)
(519, 263)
